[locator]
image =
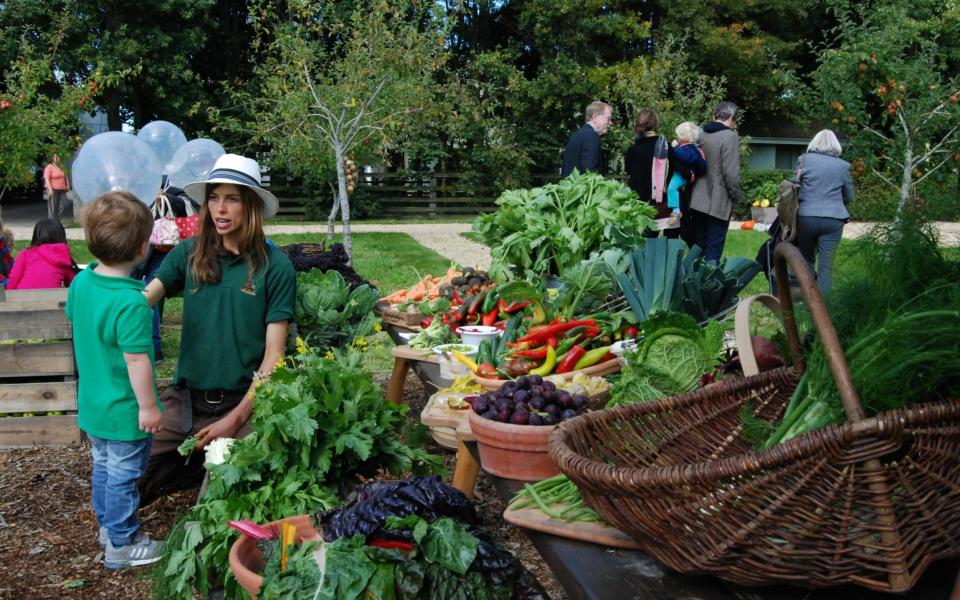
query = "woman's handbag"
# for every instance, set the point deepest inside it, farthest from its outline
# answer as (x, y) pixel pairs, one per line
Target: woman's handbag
(188, 225)
(165, 234)
(788, 201)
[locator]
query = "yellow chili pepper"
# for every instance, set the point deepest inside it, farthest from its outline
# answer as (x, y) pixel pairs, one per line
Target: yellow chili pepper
(465, 360)
(548, 363)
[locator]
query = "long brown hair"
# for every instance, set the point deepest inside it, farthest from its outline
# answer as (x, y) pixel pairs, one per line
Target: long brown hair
(208, 249)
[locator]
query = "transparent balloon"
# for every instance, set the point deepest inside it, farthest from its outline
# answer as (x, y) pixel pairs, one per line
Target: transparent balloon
(193, 161)
(113, 161)
(165, 139)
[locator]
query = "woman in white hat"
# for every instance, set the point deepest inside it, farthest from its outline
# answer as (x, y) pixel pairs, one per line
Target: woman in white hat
(238, 296)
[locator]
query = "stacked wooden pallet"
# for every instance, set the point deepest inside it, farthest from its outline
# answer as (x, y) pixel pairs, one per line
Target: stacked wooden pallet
(37, 370)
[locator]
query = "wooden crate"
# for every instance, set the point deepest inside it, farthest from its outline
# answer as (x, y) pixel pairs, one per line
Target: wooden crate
(391, 316)
(37, 370)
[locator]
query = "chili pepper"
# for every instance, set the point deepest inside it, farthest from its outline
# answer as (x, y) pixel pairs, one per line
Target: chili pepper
(475, 304)
(557, 329)
(489, 318)
(571, 359)
(456, 297)
(466, 360)
(538, 353)
(548, 363)
(490, 301)
(606, 357)
(465, 307)
(426, 322)
(511, 307)
(501, 324)
(517, 367)
(591, 358)
(391, 545)
(473, 319)
(487, 371)
(630, 331)
(564, 346)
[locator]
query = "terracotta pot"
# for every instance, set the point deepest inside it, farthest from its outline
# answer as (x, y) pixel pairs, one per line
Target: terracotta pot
(246, 562)
(514, 451)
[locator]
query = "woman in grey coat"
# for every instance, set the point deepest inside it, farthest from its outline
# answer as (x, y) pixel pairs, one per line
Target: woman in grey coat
(825, 190)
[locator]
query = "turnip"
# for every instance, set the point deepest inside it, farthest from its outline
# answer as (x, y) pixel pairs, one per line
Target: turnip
(767, 354)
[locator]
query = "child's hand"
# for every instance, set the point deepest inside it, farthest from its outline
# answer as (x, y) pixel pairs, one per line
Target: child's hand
(674, 143)
(150, 419)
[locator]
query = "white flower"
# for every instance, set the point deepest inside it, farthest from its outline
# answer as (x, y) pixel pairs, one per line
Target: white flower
(217, 451)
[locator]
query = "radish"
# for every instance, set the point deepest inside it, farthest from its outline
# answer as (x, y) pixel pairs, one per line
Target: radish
(767, 354)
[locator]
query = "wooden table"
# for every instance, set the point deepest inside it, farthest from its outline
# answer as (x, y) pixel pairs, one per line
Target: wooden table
(592, 572)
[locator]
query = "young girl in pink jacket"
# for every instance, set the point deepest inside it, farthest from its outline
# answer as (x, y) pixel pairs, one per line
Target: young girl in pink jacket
(46, 263)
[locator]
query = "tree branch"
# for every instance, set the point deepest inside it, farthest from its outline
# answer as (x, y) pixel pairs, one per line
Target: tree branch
(876, 133)
(933, 170)
(884, 178)
(933, 150)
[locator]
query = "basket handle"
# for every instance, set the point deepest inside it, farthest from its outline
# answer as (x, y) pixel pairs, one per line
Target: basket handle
(786, 253)
(748, 360)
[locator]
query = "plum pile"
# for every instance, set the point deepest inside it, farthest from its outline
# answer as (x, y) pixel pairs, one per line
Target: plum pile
(529, 400)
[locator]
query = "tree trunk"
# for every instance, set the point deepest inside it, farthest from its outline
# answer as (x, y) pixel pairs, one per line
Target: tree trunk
(907, 180)
(333, 216)
(344, 203)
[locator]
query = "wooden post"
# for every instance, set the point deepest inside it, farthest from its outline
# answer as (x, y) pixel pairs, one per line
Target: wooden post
(397, 378)
(466, 472)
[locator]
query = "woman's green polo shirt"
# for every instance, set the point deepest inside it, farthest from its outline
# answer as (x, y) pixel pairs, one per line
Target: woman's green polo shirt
(223, 336)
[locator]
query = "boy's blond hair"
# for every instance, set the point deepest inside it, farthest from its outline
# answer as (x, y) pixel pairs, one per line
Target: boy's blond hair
(116, 225)
(688, 131)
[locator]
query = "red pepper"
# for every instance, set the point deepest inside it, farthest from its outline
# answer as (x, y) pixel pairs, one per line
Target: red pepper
(537, 353)
(391, 545)
(425, 322)
(542, 334)
(570, 359)
(630, 331)
(606, 357)
(456, 297)
(488, 371)
(511, 307)
(491, 317)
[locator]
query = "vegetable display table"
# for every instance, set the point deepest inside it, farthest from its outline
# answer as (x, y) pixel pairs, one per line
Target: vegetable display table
(593, 572)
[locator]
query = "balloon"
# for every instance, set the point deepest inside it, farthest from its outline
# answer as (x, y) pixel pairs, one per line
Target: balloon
(113, 161)
(193, 161)
(165, 139)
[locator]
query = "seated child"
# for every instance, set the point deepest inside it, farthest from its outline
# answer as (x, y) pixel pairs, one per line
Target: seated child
(117, 400)
(47, 262)
(688, 153)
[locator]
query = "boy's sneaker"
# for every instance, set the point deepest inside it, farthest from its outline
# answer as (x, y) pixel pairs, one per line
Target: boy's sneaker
(674, 218)
(143, 551)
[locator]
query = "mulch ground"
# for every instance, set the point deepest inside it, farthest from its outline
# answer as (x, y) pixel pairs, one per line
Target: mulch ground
(48, 532)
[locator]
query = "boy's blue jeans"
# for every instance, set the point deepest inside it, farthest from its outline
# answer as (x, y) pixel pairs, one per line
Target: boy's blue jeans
(673, 191)
(116, 468)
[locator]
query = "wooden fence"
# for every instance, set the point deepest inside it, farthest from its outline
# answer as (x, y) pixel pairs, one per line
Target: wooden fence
(37, 370)
(415, 195)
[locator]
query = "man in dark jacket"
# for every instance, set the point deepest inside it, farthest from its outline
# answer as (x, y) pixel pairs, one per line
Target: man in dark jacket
(583, 151)
(714, 196)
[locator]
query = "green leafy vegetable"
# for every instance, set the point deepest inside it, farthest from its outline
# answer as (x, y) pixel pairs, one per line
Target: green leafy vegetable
(327, 314)
(672, 358)
(316, 424)
(188, 445)
(547, 230)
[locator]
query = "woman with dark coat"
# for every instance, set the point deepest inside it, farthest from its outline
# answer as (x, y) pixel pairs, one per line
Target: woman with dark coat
(649, 162)
(825, 190)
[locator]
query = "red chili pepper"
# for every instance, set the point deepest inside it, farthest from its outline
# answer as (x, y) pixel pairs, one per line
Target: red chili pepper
(630, 331)
(570, 359)
(542, 334)
(488, 371)
(425, 322)
(511, 307)
(391, 545)
(456, 296)
(491, 317)
(606, 357)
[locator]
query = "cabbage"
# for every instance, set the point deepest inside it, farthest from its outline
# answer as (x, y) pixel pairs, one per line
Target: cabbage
(672, 359)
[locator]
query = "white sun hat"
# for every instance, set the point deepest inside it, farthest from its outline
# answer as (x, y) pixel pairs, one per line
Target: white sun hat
(238, 170)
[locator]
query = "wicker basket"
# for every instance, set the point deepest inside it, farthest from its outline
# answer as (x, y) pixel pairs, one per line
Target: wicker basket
(872, 502)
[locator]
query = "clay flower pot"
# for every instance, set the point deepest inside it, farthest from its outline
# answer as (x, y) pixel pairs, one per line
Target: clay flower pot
(246, 562)
(514, 451)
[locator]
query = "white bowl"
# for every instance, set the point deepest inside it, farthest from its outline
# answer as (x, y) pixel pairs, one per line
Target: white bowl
(621, 347)
(474, 334)
(467, 349)
(406, 335)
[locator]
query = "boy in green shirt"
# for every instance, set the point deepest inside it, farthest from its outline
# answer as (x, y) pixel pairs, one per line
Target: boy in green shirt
(113, 345)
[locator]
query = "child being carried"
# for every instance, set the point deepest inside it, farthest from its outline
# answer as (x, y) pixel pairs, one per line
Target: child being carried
(688, 153)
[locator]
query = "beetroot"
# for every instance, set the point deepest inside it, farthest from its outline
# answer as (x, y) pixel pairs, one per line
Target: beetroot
(767, 354)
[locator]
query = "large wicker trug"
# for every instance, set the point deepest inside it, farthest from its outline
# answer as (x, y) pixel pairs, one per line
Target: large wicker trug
(871, 503)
